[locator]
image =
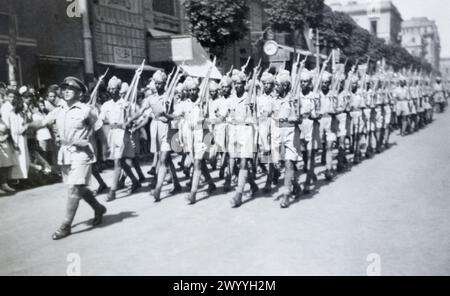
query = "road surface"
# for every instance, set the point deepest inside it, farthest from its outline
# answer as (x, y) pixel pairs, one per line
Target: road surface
(392, 211)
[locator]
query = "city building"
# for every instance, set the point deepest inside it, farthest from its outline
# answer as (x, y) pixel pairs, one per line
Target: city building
(425, 32)
(445, 68)
(115, 34)
(381, 18)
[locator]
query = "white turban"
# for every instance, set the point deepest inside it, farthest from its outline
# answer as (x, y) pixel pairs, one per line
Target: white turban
(213, 86)
(191, 83)
(114, 82)
(238, 76)
(283, 77)
(179, 88)
(160, 76)
(306, 75)
(267, 78)
(326, 76)
(226, 81)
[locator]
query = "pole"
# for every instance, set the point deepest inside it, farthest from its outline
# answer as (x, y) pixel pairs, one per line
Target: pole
(87, 41)
(12, 46)
(317, 50)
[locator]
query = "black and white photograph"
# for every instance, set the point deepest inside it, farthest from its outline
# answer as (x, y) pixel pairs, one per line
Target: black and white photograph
(248, 138)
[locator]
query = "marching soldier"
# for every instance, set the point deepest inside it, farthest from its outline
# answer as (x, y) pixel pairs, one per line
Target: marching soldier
(414, 94)
(308, 110)
(341, 118)
(439, 95)
(356, 114)
(266, 124)
(286, 135)
(328, 132)
(119, 138)
(193, 112)
(241, 136)
(75, 125)
(401, 96)
(161, 106)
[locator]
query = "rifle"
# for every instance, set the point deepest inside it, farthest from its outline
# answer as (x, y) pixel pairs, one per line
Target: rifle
(244, 68)
(230, 72)
(131, 95)
(319, 79)
(170, 77)
(94, 94)
(252, 89)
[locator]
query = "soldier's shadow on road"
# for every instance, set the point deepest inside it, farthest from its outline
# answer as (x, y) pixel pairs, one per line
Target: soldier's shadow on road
(108, 220)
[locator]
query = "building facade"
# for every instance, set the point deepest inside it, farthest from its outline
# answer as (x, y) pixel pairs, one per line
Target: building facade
(380, 18)
(422, 30)
(445, 68)
(51, 37)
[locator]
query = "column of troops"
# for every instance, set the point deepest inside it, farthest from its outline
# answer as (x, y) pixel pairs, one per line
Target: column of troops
(282, 124)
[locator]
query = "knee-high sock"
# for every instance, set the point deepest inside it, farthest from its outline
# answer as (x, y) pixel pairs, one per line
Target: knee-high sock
(288, 178)
(270, 174)
(205, 172)
(116, 176)
(127, 169)
(161, 176)
(196, 177)
(242, 180)
(138, 169)
(173, 172)
(98, 177)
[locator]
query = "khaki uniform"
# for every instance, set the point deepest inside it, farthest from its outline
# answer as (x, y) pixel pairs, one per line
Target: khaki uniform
(285, 135)
(401, 95)
(74, 124)
(241, 129)
(119, 139)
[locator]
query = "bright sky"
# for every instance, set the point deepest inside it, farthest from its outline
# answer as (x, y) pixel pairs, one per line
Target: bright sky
(437, 10)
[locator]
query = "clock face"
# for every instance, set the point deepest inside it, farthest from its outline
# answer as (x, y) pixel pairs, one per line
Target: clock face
(270, 48)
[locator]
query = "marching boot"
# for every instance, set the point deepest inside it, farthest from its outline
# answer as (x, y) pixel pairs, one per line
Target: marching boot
(237, 200)
(222, 173)
(192, 198)
(98, 208)
(62, 232)
(211, 188)
(328, 175)
(176, 189)
(156, 194)
(285, 202)
(71, 209)
(253, 187)
(111, 196)
(5, 187)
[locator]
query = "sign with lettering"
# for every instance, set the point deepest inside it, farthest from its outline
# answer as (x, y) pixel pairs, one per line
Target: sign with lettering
(123, 55)
(171, 49)
(125, 5)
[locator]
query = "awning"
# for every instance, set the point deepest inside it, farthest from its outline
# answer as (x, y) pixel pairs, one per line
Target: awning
(200, 64)
(130, 66)
(158, 33)
(301, 51)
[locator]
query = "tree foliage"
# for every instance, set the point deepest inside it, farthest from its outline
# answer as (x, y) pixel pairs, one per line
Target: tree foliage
(217, 23)
(290, 15)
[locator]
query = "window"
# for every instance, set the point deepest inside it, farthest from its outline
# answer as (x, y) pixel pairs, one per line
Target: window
(413, 40)
(164, 6)
(374, 27)
(4, 24)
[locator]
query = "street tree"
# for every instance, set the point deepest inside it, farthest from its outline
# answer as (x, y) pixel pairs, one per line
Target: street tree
(216, 23)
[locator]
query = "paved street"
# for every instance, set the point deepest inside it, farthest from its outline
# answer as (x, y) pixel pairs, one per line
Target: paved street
(396, 205)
